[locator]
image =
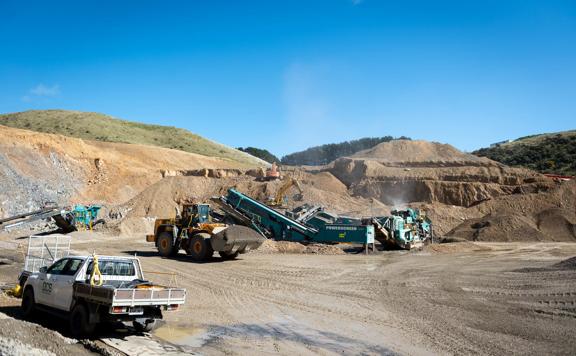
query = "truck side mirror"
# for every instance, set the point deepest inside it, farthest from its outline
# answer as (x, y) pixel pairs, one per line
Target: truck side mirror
(43, 269)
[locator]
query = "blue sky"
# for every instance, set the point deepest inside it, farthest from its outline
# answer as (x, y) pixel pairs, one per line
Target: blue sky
(286, 75)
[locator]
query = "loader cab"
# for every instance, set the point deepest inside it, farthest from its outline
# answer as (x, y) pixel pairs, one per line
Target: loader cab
(203, 211)
(199, 213)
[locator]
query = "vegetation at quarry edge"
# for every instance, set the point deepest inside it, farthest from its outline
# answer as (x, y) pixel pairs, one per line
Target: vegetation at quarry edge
(553, 153)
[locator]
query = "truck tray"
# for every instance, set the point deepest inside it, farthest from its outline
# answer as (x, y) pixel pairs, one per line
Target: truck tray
(109, 295)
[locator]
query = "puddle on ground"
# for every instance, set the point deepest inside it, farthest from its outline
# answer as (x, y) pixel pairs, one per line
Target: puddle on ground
(191, 336)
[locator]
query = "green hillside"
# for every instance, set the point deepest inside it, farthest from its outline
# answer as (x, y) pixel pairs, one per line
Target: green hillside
(260, 153)
(547, 153)
(94, 126)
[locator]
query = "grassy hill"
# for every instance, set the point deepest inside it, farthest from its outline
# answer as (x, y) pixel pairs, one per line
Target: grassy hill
(546, 153)
(94, 126)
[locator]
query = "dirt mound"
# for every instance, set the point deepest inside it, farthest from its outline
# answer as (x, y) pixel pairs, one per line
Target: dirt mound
(271, 246)
(19, 337)
(501, 227)
(544, 216)
(162, 198)
(454, 247)
(569, 264)
(326, 181)
(415, 153)
(557, 222)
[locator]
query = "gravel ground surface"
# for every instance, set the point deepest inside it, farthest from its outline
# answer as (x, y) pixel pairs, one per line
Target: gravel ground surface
(458, 298)
(469, 298)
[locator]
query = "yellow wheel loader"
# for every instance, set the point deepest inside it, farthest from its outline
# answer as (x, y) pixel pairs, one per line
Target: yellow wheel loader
(199, 236)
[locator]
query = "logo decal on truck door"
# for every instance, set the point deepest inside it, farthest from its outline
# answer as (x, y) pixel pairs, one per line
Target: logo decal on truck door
(47, 287)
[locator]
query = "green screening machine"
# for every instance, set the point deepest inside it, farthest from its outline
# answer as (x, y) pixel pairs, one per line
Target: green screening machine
(402, 229)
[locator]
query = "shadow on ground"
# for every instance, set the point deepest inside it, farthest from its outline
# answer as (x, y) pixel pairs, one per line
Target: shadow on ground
(179, 257)
(61, 325)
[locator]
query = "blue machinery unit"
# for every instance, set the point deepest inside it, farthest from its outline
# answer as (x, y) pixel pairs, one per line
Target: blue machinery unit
(403, 229)
(85, 216)
(276, 225)
(67, 219)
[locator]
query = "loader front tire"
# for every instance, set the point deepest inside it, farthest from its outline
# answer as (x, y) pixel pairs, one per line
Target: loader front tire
(165, 244)
(200, 248)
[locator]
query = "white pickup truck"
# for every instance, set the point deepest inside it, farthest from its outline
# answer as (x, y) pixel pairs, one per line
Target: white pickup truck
(64, 289)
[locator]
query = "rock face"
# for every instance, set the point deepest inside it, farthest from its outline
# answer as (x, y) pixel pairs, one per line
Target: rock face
(404, 171)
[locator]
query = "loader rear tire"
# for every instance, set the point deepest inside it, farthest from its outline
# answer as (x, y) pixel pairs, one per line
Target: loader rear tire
(200, 248)
(228, 255)
(165, 244)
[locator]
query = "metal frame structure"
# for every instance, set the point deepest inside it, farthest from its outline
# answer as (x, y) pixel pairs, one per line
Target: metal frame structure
(43, 250)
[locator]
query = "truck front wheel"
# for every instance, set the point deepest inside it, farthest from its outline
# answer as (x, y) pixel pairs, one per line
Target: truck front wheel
(145, 325)
(28, 305)
(165, 244)
(80, 324)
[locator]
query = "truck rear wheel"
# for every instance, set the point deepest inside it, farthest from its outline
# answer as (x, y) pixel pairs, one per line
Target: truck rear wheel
(80, 324)
(165, 244)
(200, 248)
(28, 305)
(145, 326)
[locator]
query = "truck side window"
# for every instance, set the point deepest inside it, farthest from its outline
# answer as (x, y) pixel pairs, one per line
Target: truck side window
(71, 267)
(57, 267)
(113, 268)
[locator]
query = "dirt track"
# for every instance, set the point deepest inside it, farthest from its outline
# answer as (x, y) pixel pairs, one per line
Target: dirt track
(456, 299)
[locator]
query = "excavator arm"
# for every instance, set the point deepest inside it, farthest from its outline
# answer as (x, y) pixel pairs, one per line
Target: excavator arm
(288, 183)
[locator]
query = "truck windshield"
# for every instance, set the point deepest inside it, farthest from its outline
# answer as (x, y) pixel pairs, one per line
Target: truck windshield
(113, 268)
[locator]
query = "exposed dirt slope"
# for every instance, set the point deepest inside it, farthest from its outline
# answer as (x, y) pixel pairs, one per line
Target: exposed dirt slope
(37, 167)
(100, 127)
(400, 172)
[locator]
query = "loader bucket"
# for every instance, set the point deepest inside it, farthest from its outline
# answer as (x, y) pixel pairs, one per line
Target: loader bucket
(236, 238)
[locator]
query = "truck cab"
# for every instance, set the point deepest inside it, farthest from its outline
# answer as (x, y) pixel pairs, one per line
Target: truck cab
(53, 285)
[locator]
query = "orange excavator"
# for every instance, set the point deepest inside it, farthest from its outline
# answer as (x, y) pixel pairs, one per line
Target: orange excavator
(273, 173)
